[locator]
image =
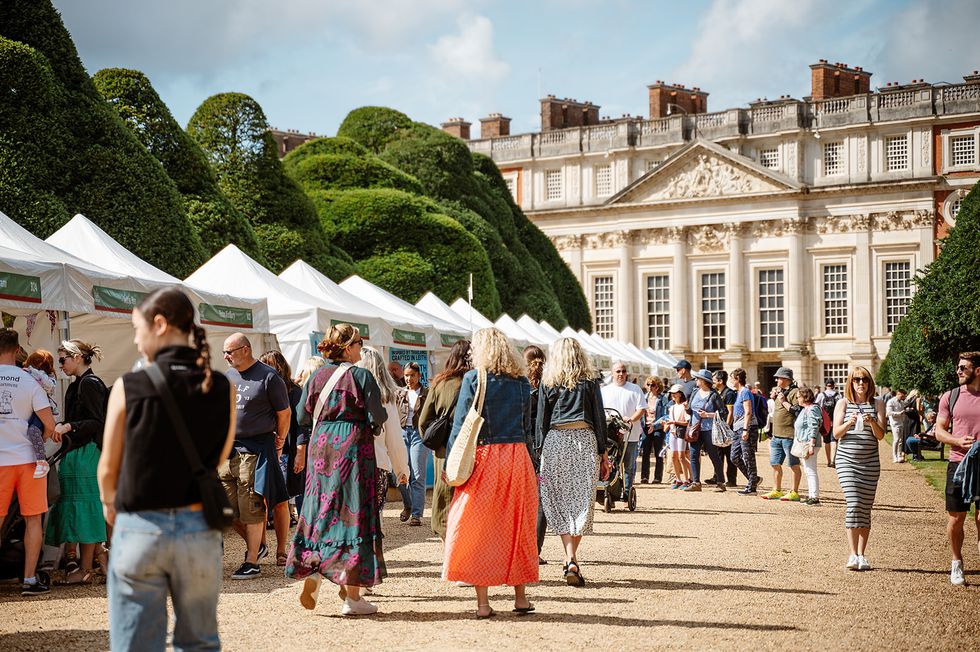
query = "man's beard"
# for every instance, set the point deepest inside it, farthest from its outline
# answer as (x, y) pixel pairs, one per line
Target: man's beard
(966, 380)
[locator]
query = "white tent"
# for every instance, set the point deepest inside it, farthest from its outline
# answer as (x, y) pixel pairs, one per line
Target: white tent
(518, 335)
(296, 318)
(436, 307)
(438, 334)
(599, 354)
(535, 330)
(28, 285)
(470, 315)
(375, 324)
(549, 328)
(219, 313)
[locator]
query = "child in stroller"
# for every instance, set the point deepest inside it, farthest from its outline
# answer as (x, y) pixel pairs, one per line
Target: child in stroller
(611, 488)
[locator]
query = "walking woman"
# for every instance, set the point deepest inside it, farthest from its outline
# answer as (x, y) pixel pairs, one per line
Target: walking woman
(161, 543)
(653, 431)
(490, 527)
(859, 424)
(705, 405)
(443, 393)
(807, 429)
(390, 453)
(77, 516)
(534, 359)
(746, 427)
(294, 454)
(571, 433)
(338, 526)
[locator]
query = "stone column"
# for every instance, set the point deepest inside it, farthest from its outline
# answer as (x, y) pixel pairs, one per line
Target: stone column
(738, 297)
(796, 354)
(626, 298)
(680, 295)
(862, 294)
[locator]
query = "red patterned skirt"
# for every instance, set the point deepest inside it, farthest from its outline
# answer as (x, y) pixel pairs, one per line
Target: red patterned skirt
(491, 535)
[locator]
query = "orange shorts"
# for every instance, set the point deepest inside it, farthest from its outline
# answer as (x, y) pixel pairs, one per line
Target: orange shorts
(32, 493)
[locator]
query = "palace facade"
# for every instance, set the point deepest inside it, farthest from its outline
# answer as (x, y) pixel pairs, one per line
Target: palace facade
(783, 234)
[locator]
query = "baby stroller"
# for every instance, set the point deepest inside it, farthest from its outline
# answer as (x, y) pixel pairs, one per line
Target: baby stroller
(12, 528)
(611, 489)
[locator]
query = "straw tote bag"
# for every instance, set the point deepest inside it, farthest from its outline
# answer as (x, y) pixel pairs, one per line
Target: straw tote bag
(459, 465)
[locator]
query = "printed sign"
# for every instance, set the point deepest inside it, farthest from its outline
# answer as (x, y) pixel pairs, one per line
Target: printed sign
(408, 338)
(213, 315)
(449, 340)
(19, 287)
(362, 329)
(421, 357)
(116, 300)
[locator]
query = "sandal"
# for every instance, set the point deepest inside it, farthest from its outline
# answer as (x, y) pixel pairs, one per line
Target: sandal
(404, 515)
(523, 611)
(480, 616)
(574, 577)
(77, 576)
(281, 558)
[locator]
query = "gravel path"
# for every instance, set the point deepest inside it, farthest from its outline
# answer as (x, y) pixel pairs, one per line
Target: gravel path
(685, 571)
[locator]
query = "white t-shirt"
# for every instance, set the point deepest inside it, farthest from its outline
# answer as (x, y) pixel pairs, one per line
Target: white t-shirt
(20, 397)
(626, 400)
(413, 399)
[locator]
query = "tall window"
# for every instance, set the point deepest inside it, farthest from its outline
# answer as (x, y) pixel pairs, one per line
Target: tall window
(897, 153)
(713, 310)
(603, 180)
(837, 372)
(898, 292)
(835, 299)
(833, 158)
(963, 150)
(658, 312)
(769, 158)
(771, 297)
(552, 183)
(602, 300)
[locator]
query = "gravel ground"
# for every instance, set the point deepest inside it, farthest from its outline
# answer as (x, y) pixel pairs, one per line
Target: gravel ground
(687, 571)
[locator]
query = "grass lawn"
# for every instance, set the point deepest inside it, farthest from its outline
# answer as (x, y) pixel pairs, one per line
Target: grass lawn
(932, 468)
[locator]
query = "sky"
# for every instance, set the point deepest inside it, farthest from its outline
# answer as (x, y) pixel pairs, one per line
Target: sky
(309, 62)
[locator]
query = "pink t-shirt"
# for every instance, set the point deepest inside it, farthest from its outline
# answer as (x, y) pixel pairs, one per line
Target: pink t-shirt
(966, 419)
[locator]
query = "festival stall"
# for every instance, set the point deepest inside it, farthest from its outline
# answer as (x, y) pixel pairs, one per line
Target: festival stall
(537, 332)
(436, 307)
(515, 333)
(470, 315)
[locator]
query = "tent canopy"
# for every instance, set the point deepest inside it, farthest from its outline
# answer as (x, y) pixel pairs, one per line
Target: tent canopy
(511, 329)
(436, 307)
(469, 314)
(534, 329)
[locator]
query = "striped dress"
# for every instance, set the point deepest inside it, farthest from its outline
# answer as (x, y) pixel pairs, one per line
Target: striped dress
(858, 467)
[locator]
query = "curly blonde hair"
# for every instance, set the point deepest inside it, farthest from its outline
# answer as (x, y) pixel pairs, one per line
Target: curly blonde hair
(567, 364)
(494, 352)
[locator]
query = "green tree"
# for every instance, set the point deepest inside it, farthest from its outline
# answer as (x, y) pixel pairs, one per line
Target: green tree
(64, 150)
(944, 316)
(215, 219)
(233, 132)
(373, 126)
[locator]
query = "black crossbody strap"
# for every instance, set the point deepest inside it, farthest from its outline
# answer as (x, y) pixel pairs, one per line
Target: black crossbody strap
(177, 421)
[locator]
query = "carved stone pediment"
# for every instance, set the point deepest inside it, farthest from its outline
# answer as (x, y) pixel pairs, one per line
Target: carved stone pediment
(703, 170)
(708, 239)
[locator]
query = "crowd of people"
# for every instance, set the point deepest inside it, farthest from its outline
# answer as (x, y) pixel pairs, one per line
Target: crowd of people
(519, 444)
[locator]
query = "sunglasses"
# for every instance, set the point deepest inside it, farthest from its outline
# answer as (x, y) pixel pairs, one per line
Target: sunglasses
(229, 352)
(62, 360)
(963, 367)
(861, 379)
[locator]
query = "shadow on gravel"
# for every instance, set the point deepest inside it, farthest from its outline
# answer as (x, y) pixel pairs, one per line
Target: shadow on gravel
(660, 585)
(700, 512)
(56, 639)
(571, 619)
(537, 598)
(697, 567)
(639, 535)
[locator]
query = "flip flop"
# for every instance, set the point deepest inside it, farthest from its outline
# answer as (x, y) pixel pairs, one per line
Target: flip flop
(523, 611)
(489, 615)
(311, 589)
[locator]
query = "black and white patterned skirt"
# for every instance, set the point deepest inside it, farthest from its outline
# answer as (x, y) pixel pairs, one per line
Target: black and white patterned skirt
(569, 472)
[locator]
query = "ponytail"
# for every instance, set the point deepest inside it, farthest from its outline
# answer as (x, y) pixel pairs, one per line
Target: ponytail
(204, 356)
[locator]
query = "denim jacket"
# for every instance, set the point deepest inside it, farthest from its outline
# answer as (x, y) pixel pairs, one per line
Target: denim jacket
(506, 410)
(558, 405)
(662, 407)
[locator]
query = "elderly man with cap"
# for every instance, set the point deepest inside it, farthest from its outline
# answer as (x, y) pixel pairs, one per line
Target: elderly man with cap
(783, 432)
(684, 378)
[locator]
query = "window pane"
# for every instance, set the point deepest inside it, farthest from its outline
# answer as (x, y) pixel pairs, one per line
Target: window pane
(603, 180)
(835, 299)
(898, 292)
(771, 308)
(713, 310)
(963, 150)
(833, 158)
(602, 297)
(897, 153)
(769, 158)
(658, 312)
(837, 372)
(552, 182)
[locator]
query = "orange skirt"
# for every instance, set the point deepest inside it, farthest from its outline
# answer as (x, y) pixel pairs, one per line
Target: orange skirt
(491, 530)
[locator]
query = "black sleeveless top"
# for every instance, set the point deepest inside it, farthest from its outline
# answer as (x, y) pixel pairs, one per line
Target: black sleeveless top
(155, 473)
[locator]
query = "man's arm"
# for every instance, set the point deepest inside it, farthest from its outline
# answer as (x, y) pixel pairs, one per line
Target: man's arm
(282, 427)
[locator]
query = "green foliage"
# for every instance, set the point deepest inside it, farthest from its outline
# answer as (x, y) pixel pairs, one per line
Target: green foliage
(214, 218)
(343, 170)
(373, 126)
(317, 146)
(405, 244)
(441, 162)
(64, 150)
(233, 132)
(944, 316)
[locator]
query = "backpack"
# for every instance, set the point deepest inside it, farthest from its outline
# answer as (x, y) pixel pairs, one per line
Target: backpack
(829, 402)
(760, 408)
(826, 424)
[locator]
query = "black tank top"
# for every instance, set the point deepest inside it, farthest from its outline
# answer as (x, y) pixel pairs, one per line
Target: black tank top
(155, 473)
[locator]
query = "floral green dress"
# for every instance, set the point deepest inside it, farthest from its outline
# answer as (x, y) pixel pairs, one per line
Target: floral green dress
(339, 524)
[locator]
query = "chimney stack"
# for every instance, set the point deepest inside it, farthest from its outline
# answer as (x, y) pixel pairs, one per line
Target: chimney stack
(494, 126)
(457, 127)
(837, 80)
(692, 100)
(558, 113)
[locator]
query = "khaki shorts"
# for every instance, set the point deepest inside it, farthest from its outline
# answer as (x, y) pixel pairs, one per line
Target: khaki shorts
(238, 478)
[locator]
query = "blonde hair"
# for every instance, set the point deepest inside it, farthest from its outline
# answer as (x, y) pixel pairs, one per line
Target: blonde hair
(493, 352)
(567, 364)
(849, 389)
(86, 351)
(373, 361)
(337, 340)
(308, 369)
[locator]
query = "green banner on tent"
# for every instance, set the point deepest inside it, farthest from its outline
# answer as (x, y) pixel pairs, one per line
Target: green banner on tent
(116, 300)
(20, 288)
(214, 315)
(449, 340)
(409, 338)
(361, 328)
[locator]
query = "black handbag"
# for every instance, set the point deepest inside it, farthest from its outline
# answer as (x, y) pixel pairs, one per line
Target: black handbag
(436, 433)
(217, 510)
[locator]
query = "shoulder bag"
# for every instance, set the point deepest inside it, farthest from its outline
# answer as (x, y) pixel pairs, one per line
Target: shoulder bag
(462, 457)
(802, 449)
(217, 510)
(436, 433)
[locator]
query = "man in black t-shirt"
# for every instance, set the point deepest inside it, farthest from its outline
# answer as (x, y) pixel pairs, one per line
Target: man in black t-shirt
(261, 425)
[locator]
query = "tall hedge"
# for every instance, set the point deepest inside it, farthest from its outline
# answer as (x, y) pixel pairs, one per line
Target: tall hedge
(944, 316)
(215, 219)
(233, 132)
(63, 150)
(319, 164)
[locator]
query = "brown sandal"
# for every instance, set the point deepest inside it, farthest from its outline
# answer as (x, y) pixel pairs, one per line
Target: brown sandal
(281, 558)
(78, 576)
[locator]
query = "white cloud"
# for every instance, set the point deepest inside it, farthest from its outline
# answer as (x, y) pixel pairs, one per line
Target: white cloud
(469, 56)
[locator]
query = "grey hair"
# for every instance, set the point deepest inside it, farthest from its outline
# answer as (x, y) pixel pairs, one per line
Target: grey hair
(374, 362)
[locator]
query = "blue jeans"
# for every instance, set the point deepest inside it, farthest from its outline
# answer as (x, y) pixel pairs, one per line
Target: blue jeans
(705, 443)
(155, 553)
(413, 496)
(630, 464)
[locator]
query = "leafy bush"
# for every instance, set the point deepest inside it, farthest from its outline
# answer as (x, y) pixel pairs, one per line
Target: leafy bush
(65, 151)
(944, 316)
(373, 126)
(342, 171)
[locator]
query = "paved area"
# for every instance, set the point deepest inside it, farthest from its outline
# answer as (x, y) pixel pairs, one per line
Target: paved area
(685, 571)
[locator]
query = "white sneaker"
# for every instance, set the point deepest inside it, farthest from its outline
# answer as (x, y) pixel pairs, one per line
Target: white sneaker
(852, 562)
(359, 608)
(956, 573)
(863, 563)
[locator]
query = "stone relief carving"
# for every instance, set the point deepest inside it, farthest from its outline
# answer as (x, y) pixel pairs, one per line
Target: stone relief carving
(842, 224)
(791, 160)
(652, 236)
(608, 239)
(862, 153)
(924, 140)
(710, 177)
(902, 220)
(707, 239)
(566, 242)
(676, 234)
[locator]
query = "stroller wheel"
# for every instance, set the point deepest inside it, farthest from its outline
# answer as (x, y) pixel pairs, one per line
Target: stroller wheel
(631, 501)
(607, 504)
